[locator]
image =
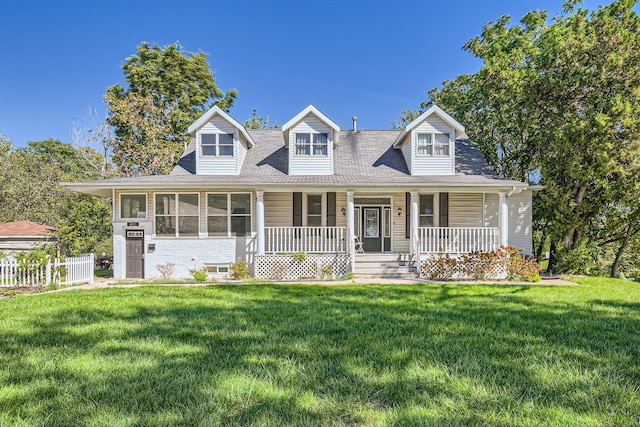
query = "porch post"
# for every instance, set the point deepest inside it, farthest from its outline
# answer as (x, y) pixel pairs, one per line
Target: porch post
(351, 243)
(504, 219)
(260, 221)
(415, 221)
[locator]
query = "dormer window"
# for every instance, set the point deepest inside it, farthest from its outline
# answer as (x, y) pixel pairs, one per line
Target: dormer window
(308, 144)
(217, 144)
(432, 144)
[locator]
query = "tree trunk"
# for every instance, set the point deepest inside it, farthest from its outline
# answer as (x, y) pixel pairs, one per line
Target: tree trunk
(552, 257)
(540, 247)
(620, 252)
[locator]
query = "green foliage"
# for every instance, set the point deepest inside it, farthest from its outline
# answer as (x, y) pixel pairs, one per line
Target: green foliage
(257, 122)
(301, 256)
(520, 267)
(406, 117)
(558, 101)
(199, 275)
(239, 270)
(168, 89)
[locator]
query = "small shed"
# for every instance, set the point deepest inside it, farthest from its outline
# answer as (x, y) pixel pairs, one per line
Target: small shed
(24, 235)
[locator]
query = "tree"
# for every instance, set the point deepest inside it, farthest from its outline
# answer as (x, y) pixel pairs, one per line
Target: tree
(168, 89)
(406, 117)
(93, 142)
(257, 122)
(30, 177)
(558, 103)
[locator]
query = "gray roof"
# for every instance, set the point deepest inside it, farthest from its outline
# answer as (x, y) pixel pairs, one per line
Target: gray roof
(360, 158)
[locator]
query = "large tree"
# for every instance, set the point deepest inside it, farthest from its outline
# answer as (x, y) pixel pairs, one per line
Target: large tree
(558, 102)
(30, 179)
(167, 89)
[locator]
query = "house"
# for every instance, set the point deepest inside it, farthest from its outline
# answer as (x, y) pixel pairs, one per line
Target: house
(312, 199)
(24, 235)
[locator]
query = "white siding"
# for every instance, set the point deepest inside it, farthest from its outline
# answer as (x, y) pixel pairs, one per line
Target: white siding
(399, 243)
(465, 210)
(211, 165)
(432, 165)
(310, 165)
(278, 209)
(407, 152)
(491, 210)
(520, 228)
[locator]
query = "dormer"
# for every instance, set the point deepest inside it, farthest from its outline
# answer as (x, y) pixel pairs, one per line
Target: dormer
(221, 143)
(428, 143)
(310, 138)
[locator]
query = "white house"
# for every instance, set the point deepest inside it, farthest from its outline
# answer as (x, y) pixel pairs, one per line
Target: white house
(367, 201)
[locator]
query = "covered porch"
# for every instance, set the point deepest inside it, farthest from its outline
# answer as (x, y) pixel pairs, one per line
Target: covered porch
(356, 225)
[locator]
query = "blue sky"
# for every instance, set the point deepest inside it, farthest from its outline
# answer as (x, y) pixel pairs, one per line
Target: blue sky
(366, 58)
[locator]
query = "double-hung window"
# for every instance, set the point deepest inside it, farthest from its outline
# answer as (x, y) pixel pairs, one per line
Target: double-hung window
(228, 214)
(217, 144)
(177, 215)
(314, 210)
(432, 144)
(426, 210)
(133, 206)
(308, 144)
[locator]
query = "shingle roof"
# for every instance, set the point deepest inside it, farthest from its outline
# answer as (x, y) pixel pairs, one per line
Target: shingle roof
(25, 228)
(361, 157)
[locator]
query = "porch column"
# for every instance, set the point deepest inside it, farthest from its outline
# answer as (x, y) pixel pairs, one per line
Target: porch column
(415, 221)
(351, 243)
(260, 221)
(504, 219)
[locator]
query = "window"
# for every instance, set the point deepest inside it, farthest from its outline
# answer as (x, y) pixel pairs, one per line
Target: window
(432, 144)
(133, 206)
(314, 210)
(228, 214)
(177, 219)
(426, 210)
(217, 144)
(312, 143)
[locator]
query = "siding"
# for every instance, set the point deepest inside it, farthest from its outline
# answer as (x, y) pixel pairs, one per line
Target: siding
(520, 228)
(310, 165)
(432, 165)
(208, 165)
(465, 210)
(491, 210)
(407, 151)
(278, 209)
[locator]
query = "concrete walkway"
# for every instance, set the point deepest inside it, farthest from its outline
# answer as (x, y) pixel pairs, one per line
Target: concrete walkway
(101, 283)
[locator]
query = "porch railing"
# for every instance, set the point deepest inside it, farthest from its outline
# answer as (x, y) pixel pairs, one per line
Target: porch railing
(458, 239)
(308, 239)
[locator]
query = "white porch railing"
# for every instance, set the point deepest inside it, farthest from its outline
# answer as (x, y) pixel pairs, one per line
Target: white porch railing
(308, 239)
(68, 271)
(458, 239)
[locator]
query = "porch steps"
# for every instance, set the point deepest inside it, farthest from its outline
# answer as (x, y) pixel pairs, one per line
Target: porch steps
(392, 266)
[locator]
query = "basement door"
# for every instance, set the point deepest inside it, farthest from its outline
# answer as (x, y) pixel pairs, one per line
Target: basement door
(135, 254)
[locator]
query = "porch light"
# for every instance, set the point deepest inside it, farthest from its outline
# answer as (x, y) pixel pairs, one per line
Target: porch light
(399, 211)
(344, 211)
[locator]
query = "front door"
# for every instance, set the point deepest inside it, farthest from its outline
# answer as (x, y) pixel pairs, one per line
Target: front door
(371, 230)
(135, 254)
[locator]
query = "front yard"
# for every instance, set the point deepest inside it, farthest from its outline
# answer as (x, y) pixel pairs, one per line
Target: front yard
(315, 355)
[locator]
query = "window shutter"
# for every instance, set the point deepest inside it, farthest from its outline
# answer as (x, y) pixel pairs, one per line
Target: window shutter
(407, 210)
(331, 209)
(444, 210)
(297, 209)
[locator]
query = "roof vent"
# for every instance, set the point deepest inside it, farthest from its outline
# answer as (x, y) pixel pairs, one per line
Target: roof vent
(355, 119)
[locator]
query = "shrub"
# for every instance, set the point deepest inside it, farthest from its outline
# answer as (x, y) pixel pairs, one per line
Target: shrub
(300, 256)
(520, 267)
(199, 275)
(239, 269)
(166, 270)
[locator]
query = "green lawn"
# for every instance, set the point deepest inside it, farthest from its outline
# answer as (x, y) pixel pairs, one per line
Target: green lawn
(324, 355)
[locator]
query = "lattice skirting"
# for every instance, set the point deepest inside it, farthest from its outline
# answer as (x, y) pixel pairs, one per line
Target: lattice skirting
(287, 267)
(472, 266)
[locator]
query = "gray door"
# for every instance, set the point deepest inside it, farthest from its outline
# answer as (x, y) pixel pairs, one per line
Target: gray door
(372, 229)
(135, 254)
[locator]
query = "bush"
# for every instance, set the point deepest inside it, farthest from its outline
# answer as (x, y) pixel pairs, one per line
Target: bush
(166, 270)
(520, 267)
(239, 269)
(199, 275)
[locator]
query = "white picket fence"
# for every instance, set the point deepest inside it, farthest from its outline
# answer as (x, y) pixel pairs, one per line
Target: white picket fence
(67, 271)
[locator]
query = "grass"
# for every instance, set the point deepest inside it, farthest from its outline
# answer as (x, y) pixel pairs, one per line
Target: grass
(315, 355)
